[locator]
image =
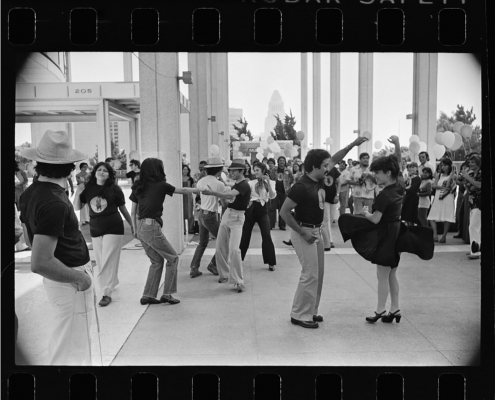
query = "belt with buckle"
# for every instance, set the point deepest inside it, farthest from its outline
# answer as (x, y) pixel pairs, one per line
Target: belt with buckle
(305, 225)
(149, 221)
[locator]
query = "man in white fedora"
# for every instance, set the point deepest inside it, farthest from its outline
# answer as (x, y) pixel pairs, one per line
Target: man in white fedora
(59, 251)
(227, 252)
(208, 220)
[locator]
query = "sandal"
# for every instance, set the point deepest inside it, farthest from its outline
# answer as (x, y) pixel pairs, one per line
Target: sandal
(442, 240)
(435, 239)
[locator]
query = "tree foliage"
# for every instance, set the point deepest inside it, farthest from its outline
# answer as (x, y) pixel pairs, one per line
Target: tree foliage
(446, 123)
(240, 130)
(285, 130)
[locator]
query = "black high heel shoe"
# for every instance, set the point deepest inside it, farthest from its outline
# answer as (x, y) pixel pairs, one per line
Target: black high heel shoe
(376, 317)
(391, 316)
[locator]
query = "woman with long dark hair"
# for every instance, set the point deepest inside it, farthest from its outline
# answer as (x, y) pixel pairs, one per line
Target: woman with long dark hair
(380, 236)
(442, 209)
(424, 195)
(106, 203)
(83, 177)
(262, 190)
(411, 198)
(187, 200)
(148, 196)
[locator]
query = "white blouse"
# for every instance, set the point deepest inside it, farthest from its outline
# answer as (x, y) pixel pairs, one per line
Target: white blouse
(263, 196)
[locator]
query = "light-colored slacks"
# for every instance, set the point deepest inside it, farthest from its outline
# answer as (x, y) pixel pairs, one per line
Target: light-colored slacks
(326, 228)
(308, 292)
(107, 249)
(70, 342)
(227, 252)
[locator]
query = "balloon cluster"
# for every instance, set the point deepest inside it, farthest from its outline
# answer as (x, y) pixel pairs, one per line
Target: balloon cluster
(451, 140)
(270, 148)
(415, 145)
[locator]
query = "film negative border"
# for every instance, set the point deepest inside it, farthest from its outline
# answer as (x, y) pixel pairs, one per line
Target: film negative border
(113, 32)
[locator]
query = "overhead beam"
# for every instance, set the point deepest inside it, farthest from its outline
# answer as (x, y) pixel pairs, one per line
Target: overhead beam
(32, 119)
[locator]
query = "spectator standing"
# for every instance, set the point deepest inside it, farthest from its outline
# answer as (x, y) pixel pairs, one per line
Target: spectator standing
(134, 165)
(424, 194)
(332, 187)
(59, 252)
(83, 177)
(473, 185)
(187, 200)
(424, 159)
(107, 202)
(362, 195)
(344, 187)
(442, 209)
(410, 206)
(284, 179)
(201, 173)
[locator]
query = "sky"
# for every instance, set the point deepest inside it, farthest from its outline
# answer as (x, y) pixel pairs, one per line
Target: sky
(253, 77)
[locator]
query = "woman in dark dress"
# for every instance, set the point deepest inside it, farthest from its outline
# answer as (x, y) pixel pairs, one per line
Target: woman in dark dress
(380, 236)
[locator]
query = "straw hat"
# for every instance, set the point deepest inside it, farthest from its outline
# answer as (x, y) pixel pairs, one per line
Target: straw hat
(54, 148)
(214, 162)
(237, 164)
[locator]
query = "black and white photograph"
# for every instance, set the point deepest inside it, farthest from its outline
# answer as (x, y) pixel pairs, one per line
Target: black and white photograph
(248, 209)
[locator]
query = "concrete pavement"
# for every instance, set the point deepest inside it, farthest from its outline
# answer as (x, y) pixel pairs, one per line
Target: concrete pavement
(215, 325)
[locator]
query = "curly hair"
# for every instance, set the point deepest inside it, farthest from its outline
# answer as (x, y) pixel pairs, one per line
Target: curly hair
(385, 164)
(54, 171)
(110, 183)
(152, 170)
(314, 158)
(476, 158)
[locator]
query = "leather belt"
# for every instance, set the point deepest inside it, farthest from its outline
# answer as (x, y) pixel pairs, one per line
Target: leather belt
(305, 225)
(149, 221)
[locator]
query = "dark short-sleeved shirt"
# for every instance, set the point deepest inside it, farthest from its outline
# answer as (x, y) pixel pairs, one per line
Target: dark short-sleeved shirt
(46, 210)
(331, 189)
(310, 198)
(241, 201)
(104, 214)
(279, 183)
(132, 175)
(389, 203)
(150, 202)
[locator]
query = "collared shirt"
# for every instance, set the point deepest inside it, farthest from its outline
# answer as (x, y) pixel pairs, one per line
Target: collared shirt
(210, 203)
(361, 191)
(263, 196)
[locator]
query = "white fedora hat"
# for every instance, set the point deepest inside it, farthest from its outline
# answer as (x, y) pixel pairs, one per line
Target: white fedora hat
(54, 148)
(214, 162)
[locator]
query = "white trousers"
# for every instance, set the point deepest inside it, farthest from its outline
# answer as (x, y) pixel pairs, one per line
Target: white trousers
(70, 342)
(326, 228)
(107, 249)
(84, 214)
(475, 225)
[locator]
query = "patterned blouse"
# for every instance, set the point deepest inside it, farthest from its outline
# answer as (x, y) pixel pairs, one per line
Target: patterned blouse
(474, 193)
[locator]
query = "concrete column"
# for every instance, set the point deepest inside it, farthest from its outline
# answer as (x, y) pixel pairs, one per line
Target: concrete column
(220, 102)
(335, 101)
(160, 131)
(304, 103)
(317, 101)
(365, 102)
(127, 67)
(199, 97)
(103, 131)
(425, 98)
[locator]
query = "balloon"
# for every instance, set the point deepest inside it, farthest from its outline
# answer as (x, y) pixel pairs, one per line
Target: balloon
(134, 155)
(274, 147)
(116, 164)
(270, 139)
(300, 135)
(259, 156)
(243, 137)
(438, 137)
(414, 147)
(414, 138)
(367, 135)
(240, 154)
(295, 147)
(422, 146)
(448, 139)
(457, 143)
(259, 150)
(264, 144)
(215, 150)
(289, 145)
(438, 151)
(378, 145)
(227, 163)
(270, 155)
(466, 131)
(236, 145)
(287, 152)
(294, 152)
(329, 141)
(457, 126)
